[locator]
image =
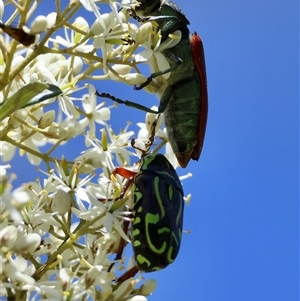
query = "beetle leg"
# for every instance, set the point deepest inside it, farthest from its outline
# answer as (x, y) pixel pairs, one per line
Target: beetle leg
(127, 103)
(121, 246)
(150, 139)
(163, 102)
(170, 55)
(130, 273)
(125, 173)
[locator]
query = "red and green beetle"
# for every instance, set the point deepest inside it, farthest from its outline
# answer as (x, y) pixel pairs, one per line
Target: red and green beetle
(183, 96)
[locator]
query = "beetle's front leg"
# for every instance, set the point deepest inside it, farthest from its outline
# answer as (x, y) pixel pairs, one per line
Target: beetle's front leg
(127, 103)
(173, 57)
(162, 105)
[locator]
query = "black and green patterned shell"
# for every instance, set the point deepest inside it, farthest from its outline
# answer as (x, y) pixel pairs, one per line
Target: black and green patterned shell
(158, 213)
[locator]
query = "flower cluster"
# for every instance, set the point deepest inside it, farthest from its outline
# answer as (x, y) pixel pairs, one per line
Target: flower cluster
(58, 236)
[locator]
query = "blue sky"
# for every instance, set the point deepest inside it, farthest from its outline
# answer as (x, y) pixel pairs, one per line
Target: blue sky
(244, 210)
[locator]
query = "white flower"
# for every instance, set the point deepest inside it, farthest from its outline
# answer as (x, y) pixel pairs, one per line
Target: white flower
(148, 287)
(73, 38)
(30, 139)
(153, 52)
(171, 156)
(138, 298)
(8, 235)
(101, 155)
(26, 243)
(146, 128)
(45, 70)
(94, 113)
(36, 215)
(16, 269)
(12, 202)
(1, 9)
(7, 151)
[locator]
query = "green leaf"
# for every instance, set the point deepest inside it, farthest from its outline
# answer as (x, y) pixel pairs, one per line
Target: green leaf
(27, 96)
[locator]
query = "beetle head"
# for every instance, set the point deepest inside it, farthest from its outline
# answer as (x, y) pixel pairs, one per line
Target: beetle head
(147, 7)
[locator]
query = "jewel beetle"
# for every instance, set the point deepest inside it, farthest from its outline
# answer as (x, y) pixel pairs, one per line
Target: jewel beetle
(183, 96)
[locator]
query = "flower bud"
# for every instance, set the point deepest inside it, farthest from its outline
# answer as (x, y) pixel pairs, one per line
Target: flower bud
(148, 287)
(82, 24)
(27, 243)
(92, 275)
(46, 119)
(99, 26)
(39, 24)
(51, 19)
(21, 114)
(55, 132)
(151, 118)
(85, 168)
(8, 235)
(138, 298)
(135, 78)
(61, 202)
(120, 69)
(143, 33)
